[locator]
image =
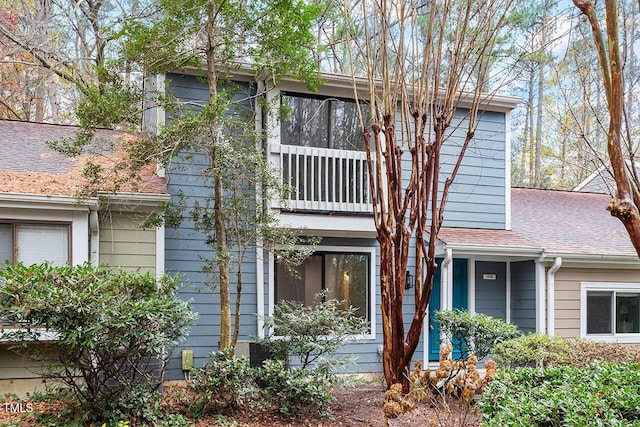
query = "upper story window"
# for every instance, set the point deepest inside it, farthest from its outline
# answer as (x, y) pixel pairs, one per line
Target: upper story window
(611, 310)
(34, 243)
(322, 122)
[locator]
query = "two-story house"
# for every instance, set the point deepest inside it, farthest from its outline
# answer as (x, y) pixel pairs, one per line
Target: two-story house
(318, 149)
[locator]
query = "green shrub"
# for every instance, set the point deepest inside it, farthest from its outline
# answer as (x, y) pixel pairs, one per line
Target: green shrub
(222, 383)
(112, 331)
(533, 350)
(584, 351)
(474, 333)
(542, 350)
(313, 334)
(296, 391)
(600, 394)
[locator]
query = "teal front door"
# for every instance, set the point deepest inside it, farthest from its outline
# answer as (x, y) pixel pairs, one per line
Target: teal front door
(460, 300)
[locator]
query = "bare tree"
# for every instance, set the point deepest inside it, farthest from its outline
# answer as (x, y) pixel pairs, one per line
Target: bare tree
(626, 202)
(424, 61)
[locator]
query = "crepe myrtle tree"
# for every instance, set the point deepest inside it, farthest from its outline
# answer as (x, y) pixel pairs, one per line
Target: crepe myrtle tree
(421, 61)
(621, 147)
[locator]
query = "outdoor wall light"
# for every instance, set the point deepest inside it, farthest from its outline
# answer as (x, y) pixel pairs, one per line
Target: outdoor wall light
(408, 283)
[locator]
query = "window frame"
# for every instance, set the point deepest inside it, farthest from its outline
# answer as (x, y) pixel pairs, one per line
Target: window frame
(318, 97)
(14, 223)
(369, 250)
(612, 287)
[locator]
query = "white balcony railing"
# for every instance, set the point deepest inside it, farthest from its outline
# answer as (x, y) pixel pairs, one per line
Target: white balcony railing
(323, 179)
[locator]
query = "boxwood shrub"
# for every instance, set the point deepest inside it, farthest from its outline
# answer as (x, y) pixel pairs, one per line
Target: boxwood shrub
(600, 394)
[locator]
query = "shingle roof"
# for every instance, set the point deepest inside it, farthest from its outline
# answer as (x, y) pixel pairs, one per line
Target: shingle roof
(557, 222)
(29, 166)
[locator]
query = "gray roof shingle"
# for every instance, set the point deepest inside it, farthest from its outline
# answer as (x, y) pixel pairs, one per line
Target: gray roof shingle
(556, 222)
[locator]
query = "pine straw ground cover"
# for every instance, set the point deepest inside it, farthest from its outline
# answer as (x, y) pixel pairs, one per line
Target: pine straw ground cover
(358, 406)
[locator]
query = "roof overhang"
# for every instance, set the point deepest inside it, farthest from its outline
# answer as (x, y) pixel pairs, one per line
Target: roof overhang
(515, 253)
(343, 85)
(19, 200)
(593, 260)
(144, 202)
(483, 250)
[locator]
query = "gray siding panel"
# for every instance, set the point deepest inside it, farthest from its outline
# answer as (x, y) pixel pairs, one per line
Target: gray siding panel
(523, 295)
(477, 198)
(185, 249)
(491, 294)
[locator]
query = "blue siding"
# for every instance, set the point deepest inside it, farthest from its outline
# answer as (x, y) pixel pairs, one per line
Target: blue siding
(491, 295)
(523, 295)
(477, 197)
(185, 248)
(477, 200)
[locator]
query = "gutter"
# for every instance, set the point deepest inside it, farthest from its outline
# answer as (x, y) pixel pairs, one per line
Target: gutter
(551, 289)
(17, 200)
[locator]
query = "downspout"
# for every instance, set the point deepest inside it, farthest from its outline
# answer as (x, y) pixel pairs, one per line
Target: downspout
(540, 295)
(447, 280)
(551, 288)
(94, 236)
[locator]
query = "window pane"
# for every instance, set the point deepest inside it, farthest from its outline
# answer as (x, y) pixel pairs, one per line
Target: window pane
(346, 133)
(6, 244)
(599, 312)
(39, 243)
(347, 279)
(627, 313)
(307, 123)
(301, 286)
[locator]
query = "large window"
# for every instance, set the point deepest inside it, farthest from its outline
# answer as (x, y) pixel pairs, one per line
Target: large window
(346, 276)
(322, 122)
(32, 243)
(611, 309)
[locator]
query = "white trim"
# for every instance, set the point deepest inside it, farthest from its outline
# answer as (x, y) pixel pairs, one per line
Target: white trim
(342, 85)
(507, 280)
(632, 338)
(94, 238)
(134, 201)
(540, 296)
(329, 225)
(551, 297)
(272, 283)
(272, 129)
(18, 200)
(160, 266)
(77, 218)
(260, 289)
(471, 285)
(371, 250)
(259, 126)
(446, 282)
(507, 170)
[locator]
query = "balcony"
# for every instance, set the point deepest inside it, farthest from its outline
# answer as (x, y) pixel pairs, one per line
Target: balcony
(323, 179)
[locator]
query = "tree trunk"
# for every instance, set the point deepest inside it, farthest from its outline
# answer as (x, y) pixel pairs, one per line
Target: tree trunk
(218, 192)
(623, 206)
(538, 151)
